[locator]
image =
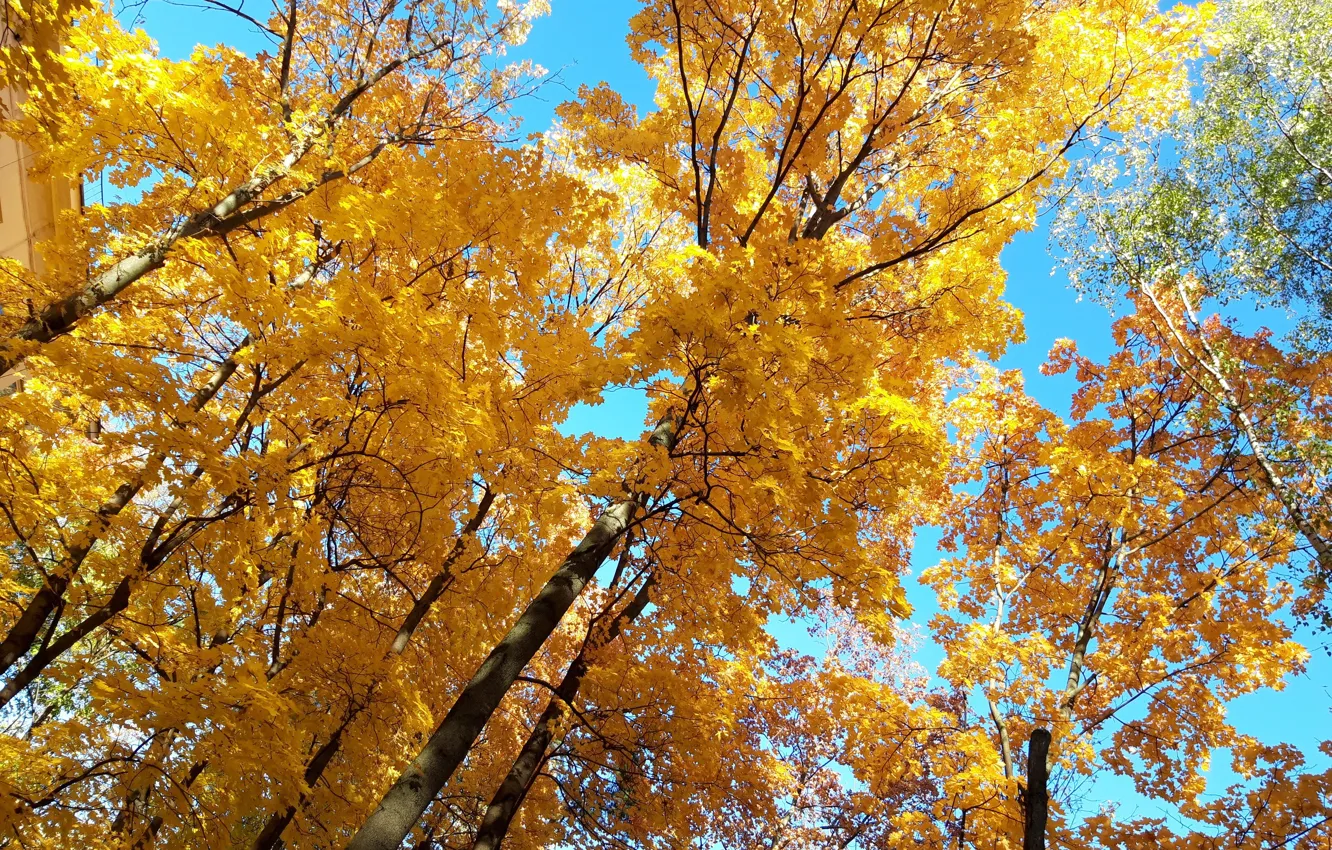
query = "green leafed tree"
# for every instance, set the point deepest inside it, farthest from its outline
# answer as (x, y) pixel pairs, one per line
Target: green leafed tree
(1236, 191)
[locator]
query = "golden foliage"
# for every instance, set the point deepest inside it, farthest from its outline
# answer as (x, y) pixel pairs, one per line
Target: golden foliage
(286, 462)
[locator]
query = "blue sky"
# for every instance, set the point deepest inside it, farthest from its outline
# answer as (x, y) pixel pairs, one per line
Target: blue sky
(583, 42)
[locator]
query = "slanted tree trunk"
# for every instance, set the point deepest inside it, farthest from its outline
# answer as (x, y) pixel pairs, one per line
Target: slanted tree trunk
(240, 207)
(149, 835)
(1213, 365)
(436, 586)
(144, 781)
(149, 561)
(23, 634)
(404, 803)
(513, 790)
(270, 838)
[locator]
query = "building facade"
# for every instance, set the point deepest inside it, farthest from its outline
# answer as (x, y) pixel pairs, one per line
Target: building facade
(30, 206)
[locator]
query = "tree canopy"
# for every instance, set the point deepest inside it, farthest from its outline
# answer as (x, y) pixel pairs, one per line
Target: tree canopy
(299, 553)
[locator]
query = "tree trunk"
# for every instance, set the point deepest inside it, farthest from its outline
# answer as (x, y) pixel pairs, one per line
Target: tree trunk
(513, 790)
(1276, 483)
(240, 207)
(149, 560)
(436, 587)
(24, 632)
(144, 781)
(270, 837)
(1038, 795)
(119, 600)
(404, 803)
(149, 835)
(60, 316)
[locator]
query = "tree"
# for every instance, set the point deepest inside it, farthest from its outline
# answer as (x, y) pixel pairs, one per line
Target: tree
(1226, 204)
(337, 441)
(1225, 207)
(814, 235)
(328, 485)
(1235, 191)
(1116, 583)
(346, 85)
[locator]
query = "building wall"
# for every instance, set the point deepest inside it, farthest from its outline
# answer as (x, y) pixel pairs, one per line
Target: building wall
(28, 208)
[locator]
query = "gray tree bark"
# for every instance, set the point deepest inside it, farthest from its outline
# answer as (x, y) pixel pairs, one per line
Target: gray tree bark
(513, 790)
(404, 803)
(436, 586)
(270, 838)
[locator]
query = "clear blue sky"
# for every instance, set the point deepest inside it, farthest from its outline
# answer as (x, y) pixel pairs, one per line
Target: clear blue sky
(583, 42)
